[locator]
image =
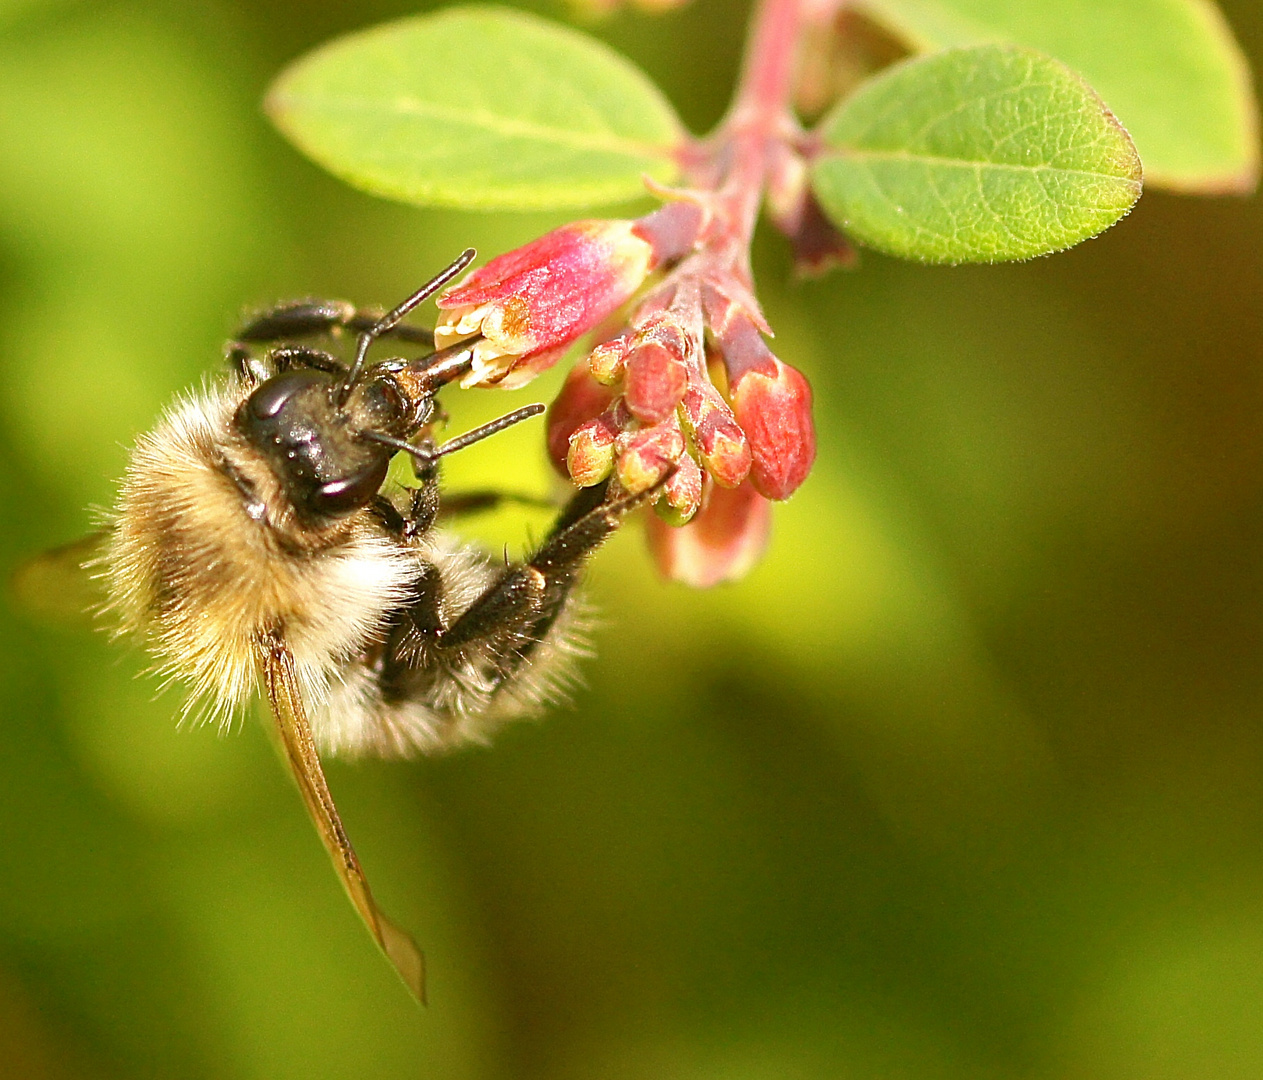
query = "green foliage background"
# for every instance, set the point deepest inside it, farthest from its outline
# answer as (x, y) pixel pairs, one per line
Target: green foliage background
(965, 781)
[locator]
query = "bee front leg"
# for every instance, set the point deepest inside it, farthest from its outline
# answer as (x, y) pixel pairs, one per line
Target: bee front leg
(424, 509)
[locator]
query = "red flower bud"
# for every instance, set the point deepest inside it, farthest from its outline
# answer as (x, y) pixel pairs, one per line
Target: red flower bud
(682, 493)
(581, 399)
(540, 297)
(774, 410)
(646, 456)
(721, 543)
(654, 383)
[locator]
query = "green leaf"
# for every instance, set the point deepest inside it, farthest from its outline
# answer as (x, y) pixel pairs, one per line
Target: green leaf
(1170, 70)
(479, 108)
(975, 155)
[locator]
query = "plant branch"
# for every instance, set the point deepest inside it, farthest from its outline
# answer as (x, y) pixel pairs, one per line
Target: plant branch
(763, 94)
(738, 159)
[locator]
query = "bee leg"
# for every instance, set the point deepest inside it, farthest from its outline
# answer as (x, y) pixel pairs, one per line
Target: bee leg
(521, 607)
(245, 363)
(424, 509)
(282, 358)
(303, 318)
(512, 617)
(428, 507)
(296, 318)
(582, 502)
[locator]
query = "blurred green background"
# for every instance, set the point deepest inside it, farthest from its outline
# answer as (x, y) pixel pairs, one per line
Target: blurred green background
(966, 780)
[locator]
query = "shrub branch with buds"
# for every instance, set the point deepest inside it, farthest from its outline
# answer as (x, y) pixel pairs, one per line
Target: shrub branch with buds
(685, 394)
(978, 152)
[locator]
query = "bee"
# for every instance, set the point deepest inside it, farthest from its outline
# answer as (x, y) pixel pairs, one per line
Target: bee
(256, 545)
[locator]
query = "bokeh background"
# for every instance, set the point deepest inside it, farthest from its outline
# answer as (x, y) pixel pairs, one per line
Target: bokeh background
(966, 780)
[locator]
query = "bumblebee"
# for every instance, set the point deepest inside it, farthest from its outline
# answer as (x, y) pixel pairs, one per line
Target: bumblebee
(254, 545)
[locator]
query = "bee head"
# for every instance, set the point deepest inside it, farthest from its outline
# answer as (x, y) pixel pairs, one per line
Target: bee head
(316, 445)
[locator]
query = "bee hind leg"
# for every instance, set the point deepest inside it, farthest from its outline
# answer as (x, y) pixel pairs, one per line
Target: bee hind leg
(523, 604)
(518, 618)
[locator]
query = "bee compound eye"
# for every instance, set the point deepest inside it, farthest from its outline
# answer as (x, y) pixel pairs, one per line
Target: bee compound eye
(337, 498)
(269, 399)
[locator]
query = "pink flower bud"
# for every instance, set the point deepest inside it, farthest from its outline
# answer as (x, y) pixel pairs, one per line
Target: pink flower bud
(590, 455)
(542, 296)
(774, 410)
(655, 381)
(646, 456)
(718, 437)
(772, 403)
(581, 399)
(722, 543)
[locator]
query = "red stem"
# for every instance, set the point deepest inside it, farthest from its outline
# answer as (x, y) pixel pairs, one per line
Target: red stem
(729, 170)
(768, 67)
(759, 119)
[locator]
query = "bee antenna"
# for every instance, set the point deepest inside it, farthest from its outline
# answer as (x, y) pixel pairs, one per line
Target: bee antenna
(391, 319)
(429, 454)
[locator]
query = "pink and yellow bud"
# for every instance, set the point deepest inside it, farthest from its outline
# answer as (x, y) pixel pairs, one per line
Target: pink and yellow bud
(718, 437)
(682, 493)
(535, 300)
(722, 543)
(590, 455)
(606, 360)
(581, 399)
(647, 456)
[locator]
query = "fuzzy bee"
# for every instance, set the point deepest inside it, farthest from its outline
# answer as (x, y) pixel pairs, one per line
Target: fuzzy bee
(254, 545)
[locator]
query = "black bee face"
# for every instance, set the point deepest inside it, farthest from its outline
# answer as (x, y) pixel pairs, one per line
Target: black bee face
(316, 448)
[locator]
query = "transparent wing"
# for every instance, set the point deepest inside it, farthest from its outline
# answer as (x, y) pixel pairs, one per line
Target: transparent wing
(57, 586)
(300, 751)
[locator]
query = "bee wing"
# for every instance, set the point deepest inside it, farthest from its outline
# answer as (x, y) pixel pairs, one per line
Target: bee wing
(57, 586)
(300, 751)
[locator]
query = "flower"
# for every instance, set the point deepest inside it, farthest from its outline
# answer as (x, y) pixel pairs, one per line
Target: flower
(529, 304)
